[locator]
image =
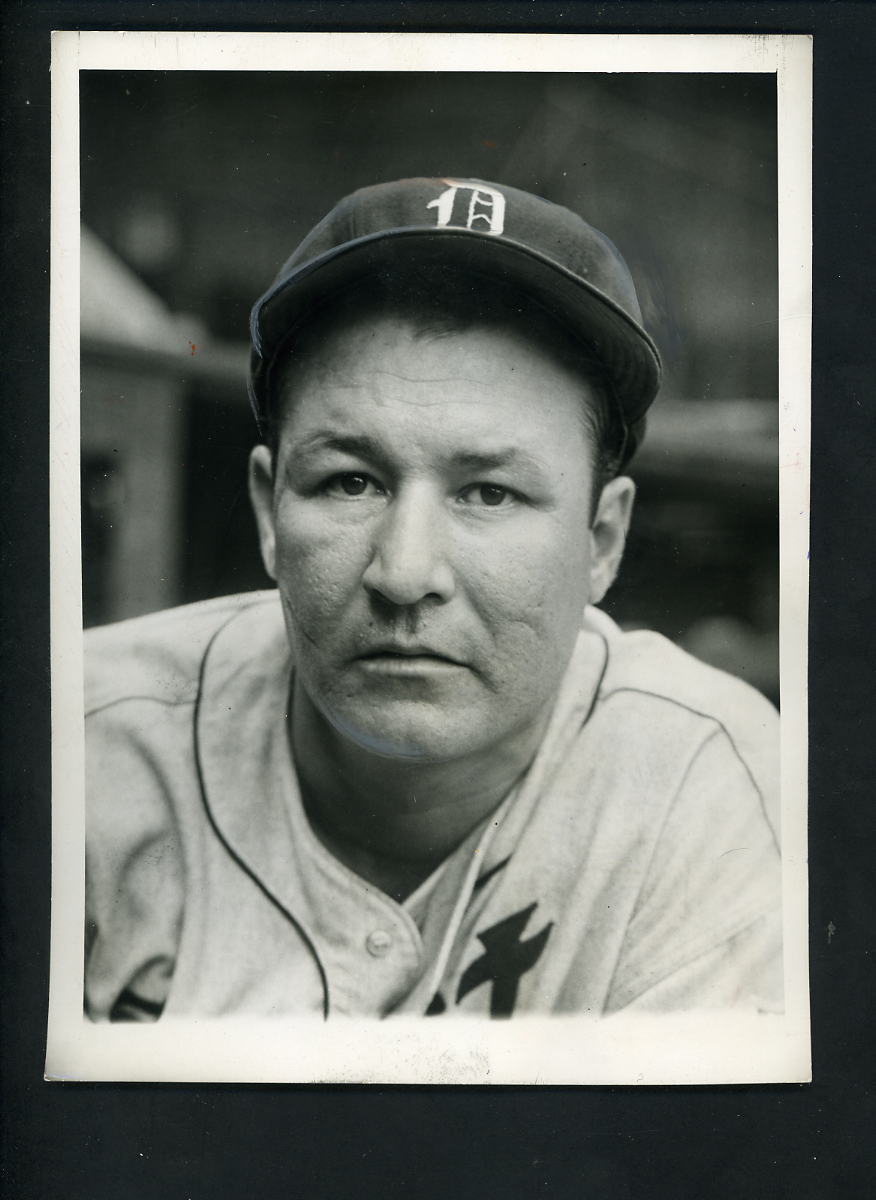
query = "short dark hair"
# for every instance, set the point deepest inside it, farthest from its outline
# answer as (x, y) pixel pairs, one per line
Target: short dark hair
(450, 302)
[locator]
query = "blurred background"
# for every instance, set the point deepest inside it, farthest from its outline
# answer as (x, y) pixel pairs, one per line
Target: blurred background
(197, 185)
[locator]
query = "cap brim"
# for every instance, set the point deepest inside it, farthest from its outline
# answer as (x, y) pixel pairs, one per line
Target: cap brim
(628, 354)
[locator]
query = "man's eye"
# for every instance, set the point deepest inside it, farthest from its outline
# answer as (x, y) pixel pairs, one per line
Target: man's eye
(490, 495)
(352, 484)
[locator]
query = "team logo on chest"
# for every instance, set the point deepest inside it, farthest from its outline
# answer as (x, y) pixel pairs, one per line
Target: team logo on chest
(470, 206)
(506, 959)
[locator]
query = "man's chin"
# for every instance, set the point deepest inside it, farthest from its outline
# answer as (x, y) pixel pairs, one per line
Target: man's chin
(411, 740)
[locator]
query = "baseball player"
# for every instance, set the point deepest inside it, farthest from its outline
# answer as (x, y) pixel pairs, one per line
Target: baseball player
(425, 774)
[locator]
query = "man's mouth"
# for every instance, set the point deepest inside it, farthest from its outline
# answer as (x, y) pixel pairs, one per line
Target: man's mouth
(406, 658)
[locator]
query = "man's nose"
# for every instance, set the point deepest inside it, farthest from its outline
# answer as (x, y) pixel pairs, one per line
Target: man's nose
(409, 562)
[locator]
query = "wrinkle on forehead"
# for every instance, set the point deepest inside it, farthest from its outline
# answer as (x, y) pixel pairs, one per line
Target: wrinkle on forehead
(335, 377)
(343, 348)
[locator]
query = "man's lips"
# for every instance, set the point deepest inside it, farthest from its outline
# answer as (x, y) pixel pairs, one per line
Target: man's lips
(408, 650)
(408, 660)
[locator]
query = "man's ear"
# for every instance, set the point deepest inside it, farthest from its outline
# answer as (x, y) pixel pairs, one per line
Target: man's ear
(608, 534)
(261, 497)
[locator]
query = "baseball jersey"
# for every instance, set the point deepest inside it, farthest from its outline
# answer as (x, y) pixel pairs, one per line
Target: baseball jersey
(635, 865)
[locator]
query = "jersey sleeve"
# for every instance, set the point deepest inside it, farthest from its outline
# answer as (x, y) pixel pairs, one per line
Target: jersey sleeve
(706, 928)
(134, 863)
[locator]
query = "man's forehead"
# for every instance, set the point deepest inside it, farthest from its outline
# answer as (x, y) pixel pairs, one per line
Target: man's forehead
(337, 344)
(388, 350)
(477, 382)
(436, 426)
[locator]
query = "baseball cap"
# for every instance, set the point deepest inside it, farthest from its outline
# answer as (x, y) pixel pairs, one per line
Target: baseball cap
(490, 232)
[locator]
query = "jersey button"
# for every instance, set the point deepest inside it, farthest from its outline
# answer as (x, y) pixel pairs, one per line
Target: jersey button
(378, 942)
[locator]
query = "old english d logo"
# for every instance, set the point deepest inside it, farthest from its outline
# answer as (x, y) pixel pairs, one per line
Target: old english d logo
(478, 207)
(505, 959)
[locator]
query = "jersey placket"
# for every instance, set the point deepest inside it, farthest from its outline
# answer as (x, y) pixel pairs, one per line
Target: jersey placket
(369, 946)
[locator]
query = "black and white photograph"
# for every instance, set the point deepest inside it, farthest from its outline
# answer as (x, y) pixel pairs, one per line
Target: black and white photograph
(430, 455)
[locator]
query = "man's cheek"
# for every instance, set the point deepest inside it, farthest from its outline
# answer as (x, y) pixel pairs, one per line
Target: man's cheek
(533, 609)
(318, 582)
(534, 583)
(322, 556)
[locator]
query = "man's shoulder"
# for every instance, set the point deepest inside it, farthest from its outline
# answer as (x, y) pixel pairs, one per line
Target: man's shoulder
(158, 657)
(658, 712)
(655, 694)
(647, 664)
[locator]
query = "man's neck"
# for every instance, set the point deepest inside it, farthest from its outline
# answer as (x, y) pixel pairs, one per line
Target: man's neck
(392, 820)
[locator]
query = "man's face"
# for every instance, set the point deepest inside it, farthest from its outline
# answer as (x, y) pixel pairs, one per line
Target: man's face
(428, 524)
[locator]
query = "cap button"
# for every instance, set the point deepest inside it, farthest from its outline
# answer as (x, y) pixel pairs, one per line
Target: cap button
(378, 943)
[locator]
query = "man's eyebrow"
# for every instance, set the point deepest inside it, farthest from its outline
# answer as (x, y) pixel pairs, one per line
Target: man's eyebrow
(490, 460)
(358, 445)
(369, 448)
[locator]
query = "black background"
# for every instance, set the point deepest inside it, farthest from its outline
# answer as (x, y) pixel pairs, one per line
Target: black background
(108, 1141)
